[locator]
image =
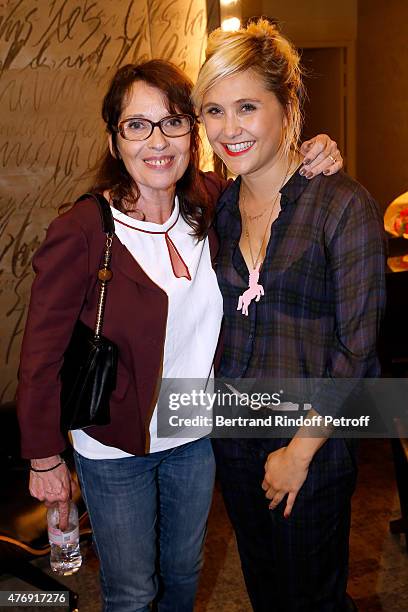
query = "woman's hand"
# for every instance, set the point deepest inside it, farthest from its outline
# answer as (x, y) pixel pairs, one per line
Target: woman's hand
(287, 468)
(321, 155)
(285, 473)
(54, 487)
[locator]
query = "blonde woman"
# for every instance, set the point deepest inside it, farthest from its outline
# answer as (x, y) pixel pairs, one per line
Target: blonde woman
(301, 270)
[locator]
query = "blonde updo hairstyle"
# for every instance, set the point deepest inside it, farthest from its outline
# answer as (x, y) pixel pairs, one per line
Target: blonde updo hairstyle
(259, 47)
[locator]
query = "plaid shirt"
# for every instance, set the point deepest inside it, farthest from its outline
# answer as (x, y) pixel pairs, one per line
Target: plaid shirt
(324, 282)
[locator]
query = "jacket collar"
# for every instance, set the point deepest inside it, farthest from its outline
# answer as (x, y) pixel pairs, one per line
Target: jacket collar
(124, 261)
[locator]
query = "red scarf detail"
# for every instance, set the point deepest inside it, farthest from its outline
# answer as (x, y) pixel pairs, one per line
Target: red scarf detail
(180, 269)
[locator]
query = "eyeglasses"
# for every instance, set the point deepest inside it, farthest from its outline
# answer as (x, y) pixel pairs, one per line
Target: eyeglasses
(139, 128)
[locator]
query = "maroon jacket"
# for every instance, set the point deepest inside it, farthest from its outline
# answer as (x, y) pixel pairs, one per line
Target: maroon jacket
(64, 289)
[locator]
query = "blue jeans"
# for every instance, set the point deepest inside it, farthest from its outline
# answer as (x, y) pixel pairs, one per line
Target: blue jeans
(148, 516)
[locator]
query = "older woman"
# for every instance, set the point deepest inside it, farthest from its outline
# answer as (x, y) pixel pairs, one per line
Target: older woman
(312, 256)
(148, 497)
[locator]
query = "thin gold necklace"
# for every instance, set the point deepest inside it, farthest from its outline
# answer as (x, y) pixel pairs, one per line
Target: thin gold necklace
(249, 218)
(246, 229)
(255, 217)
(255, 290)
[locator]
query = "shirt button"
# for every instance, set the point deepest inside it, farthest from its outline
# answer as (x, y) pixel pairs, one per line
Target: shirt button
(251, 337)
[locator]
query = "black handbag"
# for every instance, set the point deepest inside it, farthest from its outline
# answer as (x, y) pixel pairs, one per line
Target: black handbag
(88, 373)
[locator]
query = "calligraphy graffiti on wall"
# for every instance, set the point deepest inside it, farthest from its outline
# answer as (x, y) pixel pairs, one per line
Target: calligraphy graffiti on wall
(56, 58)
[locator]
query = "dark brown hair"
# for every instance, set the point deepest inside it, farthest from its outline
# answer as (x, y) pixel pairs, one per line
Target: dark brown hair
(111, 174)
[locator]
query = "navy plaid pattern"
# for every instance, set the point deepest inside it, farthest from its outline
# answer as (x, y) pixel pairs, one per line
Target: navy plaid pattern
(324, 282)
(299, 564)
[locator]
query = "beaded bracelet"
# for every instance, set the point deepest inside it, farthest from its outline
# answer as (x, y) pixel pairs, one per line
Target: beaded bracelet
(47, 469)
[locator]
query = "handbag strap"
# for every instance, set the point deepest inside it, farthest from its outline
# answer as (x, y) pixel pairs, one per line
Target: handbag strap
(108, 225)
(105, 273)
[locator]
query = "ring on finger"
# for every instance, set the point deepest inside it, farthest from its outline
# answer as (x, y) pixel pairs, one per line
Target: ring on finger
(332, 158)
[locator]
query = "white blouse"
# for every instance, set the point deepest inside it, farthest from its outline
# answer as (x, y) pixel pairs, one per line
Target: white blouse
(194, 312)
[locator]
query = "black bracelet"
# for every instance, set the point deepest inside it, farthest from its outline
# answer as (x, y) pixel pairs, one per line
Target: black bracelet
(47, 469)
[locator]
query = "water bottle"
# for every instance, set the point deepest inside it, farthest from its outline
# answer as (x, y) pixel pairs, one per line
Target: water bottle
(65, 558)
